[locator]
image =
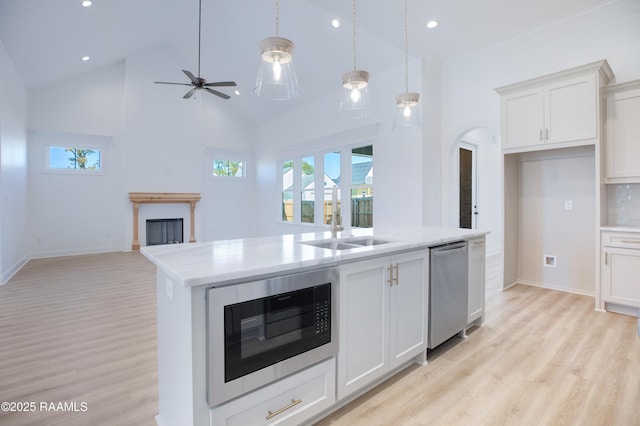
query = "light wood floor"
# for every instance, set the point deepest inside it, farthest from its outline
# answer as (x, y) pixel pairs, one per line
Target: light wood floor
(83, 329)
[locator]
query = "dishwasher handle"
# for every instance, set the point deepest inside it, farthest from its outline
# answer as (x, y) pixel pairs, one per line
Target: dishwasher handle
(446, 251)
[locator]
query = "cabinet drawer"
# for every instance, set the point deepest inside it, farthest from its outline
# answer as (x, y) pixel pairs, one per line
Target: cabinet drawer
(621, 239)
(289, 401)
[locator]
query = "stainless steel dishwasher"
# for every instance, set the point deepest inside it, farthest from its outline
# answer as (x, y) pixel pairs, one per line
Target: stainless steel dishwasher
(448, 291)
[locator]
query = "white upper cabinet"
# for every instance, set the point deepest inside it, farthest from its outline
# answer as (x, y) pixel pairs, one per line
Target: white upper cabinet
(622, 147)
(562, 109)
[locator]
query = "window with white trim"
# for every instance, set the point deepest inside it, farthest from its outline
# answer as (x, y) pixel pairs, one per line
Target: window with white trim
(75, 158)
(308, 181)
(228, 168)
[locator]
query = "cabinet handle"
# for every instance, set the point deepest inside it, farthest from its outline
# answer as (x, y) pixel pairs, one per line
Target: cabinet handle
(606, 258)
(397, 274)
(541, 135)
(294, 402)
(547, 134)
(391, 277)
(630, 241)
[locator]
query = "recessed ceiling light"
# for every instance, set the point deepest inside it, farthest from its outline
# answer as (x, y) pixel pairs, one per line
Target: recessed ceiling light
(237, 92)
(85, 58)
(86, 3)
(432, 24)
(335, 23)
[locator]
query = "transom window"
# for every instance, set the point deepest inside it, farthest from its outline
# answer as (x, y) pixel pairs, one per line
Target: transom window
(228, 168)
(76, 158)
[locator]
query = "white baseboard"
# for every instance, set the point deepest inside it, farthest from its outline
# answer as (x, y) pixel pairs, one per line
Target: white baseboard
(552, 287)
(7, 275)
(74, 252)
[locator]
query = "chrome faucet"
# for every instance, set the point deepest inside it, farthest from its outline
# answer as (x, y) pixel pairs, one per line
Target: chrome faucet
(334, 213)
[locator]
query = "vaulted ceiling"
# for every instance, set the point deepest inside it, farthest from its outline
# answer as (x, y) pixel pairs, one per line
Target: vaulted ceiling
(46, 39)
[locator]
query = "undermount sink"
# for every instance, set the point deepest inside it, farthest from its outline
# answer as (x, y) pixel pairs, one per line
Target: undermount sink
(345, 243)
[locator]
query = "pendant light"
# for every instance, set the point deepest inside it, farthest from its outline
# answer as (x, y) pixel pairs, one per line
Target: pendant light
(277, 77)
(408, 111)
(354, 101)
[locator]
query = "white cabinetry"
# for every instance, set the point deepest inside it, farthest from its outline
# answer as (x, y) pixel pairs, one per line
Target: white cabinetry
(561, 108)
(621, 268)
(383, 317)
(623, 133)
(289, 401)
(476, 280)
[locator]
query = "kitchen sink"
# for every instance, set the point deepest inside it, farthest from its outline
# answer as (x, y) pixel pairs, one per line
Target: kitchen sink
(345, 243)
(367, 241)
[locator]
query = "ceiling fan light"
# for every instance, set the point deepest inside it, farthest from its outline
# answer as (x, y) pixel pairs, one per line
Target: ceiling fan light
(408, 110)
(277, 78)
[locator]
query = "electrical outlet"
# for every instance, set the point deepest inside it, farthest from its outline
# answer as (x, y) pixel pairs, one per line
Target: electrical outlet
(568, 205)
(169, 288)
(550, 261)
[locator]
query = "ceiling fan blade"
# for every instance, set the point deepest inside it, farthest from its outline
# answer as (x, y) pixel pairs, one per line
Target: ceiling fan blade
(180, 84)
(215, 92)
(192, 77)
(189, 93)
(221, 83)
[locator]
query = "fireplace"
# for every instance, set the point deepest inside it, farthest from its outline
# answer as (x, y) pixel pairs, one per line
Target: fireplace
(138, 198)
(164, 231)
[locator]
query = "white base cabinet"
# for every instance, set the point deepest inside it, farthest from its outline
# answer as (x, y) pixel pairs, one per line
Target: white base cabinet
(476, 281)
(383, 317)
(290, 401)
(620, 268)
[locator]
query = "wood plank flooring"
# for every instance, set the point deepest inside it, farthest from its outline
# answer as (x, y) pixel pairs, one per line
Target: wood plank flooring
(83, 329)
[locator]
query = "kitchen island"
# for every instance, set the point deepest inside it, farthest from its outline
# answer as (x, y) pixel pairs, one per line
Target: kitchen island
(186, 273)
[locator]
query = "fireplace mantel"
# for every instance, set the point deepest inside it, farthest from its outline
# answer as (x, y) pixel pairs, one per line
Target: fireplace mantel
(138, 198)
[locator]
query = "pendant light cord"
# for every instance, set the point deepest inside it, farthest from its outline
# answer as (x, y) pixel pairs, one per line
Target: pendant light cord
(354, 35)
(406, 50)
(277, 18)
(199, 33)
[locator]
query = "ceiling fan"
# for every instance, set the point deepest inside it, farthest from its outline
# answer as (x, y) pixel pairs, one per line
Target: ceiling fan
(198, 82)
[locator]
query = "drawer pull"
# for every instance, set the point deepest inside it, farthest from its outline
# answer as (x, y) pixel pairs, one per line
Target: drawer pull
(294, 402)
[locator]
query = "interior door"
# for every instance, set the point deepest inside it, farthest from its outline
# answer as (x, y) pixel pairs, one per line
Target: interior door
(468, 186)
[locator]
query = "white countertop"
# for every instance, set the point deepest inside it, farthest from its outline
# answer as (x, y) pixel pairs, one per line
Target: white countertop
(620, 228)
(203, 263)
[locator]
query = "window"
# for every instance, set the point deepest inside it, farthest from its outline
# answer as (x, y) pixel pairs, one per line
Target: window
(307, 205)
(287, 191)
(228, 168)
(331, 179)
(302, 203)
(78, 158)
(362, 187)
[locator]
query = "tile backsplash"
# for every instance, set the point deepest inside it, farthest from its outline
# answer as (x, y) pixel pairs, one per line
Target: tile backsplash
(624, 204)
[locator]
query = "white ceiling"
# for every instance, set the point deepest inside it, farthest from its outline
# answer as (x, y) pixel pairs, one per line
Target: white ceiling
(47, 38)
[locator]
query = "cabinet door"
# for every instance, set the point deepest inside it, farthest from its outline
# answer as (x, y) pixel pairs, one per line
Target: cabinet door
(623, 135)
(571, 112)
(522, 118)
(620, 276)
(408, 305)
(363, 331)
(476, 279)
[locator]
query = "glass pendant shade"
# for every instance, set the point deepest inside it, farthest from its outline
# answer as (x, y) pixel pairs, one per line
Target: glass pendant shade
(354, 101)
(408, 110)
(277, 78)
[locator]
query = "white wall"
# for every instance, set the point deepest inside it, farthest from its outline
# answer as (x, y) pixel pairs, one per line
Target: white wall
(71, 213)
(170, 145)
(397, 154)
(610, 32)
(546, 181)
(155, 142)
(13, 169)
